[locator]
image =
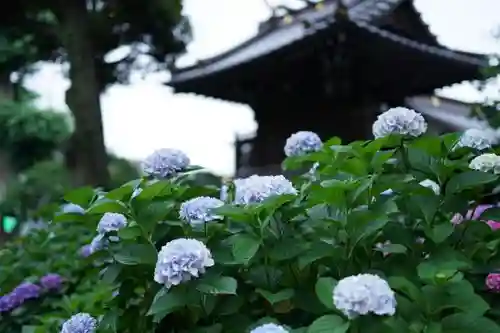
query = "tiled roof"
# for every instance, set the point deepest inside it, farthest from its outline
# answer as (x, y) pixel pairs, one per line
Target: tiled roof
(362, 13)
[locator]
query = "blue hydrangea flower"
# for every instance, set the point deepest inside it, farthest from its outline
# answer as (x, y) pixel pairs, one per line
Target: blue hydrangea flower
(51, 281)
(71, 208)
(401, 121)
(181, 260)
(86, 250)
(164, 163)
(302, 143)
(80, 323)
(255, 189)
(98, 243)
(111, 222)
(269, 328)
(199, 210)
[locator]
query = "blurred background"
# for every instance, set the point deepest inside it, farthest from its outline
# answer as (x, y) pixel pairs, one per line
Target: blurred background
(90, 88)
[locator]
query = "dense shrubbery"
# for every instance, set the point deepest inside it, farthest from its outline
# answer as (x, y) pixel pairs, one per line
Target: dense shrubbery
(380, 236)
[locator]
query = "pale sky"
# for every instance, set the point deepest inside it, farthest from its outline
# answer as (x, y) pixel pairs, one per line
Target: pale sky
(146, 115)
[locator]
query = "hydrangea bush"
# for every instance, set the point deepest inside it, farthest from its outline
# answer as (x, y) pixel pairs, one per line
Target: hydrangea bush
(386, 235)
(45, 277)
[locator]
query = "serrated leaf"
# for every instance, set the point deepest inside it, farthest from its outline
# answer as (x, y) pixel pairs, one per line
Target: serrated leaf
(136, 254)
(218, 285)
(324, 291)
(328, 324)
(244, 247)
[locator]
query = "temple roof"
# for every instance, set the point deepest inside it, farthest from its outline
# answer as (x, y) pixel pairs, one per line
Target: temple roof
(276, 34)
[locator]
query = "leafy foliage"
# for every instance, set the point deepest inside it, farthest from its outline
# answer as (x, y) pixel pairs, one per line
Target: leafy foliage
(279, 260)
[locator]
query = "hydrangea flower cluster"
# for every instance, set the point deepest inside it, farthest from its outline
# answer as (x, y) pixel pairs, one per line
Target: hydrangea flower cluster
(475, 214)
(80, 323)
(255, 189)
(51, 281)
(165, 162)
(432, 185)
(475, 138)
(22, 293)
(71, 208)
(486, 163)
(493, 282)
(399, 120)
(362, 294)
(302, 143)
(181, 260)
(111, 222)
(269, 328)
(198, 211)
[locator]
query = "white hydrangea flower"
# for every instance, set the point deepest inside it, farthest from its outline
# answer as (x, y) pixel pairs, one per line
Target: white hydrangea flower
(71, 208)
(199, 210)
(362, 294)
(432, 185)
(111, 222)
(476, 139)
(302, 143)
(181, 260)
(270, 328)
(80, 323)
(224, 192)
(399, 120)
(255, 189)
(136, 192)
(486, 163)
(165, 162)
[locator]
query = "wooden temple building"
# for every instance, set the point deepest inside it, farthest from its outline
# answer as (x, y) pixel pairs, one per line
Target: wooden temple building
(331, 67)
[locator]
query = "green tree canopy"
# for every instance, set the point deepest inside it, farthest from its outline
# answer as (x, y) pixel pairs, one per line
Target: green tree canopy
(81, 33)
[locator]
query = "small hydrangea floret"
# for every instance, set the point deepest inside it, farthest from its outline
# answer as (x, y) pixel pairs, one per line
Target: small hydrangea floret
(474, 138)
(71, 208)
(256, 189)
(181, 260)
(111, 222)
(198, 211)
(302, 143)
(486, 163)
(51, 281)
(362, 294)
(80, 323)
(164, 163)
(493, 282)
(401, 121)
(270, 328)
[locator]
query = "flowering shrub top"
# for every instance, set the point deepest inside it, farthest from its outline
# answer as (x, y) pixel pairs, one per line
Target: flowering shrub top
(330, 251)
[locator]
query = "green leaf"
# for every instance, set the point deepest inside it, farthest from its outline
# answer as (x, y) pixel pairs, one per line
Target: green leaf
(274, 298)
(130, 232)
(439, 233)
(218, 285)
(469, 179)
(81, 196)
(120, 193)
(405, 286)
(107, 206)
(324, 290)
(491, 214)
(244, 247)
(110, 273)
(235, 213)
(160, 188)
(167, 301)
(467, 323)
(286, 249)
(110, 321)
(136, 254)
(317, 251)
(328, 324)
(392, 248)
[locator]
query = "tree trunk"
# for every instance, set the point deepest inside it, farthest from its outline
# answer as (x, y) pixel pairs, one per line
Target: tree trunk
(86, 157)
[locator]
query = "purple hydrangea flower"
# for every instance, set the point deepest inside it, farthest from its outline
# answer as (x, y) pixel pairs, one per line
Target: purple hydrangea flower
(27, 290)
(23, 292)
(51, 281)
